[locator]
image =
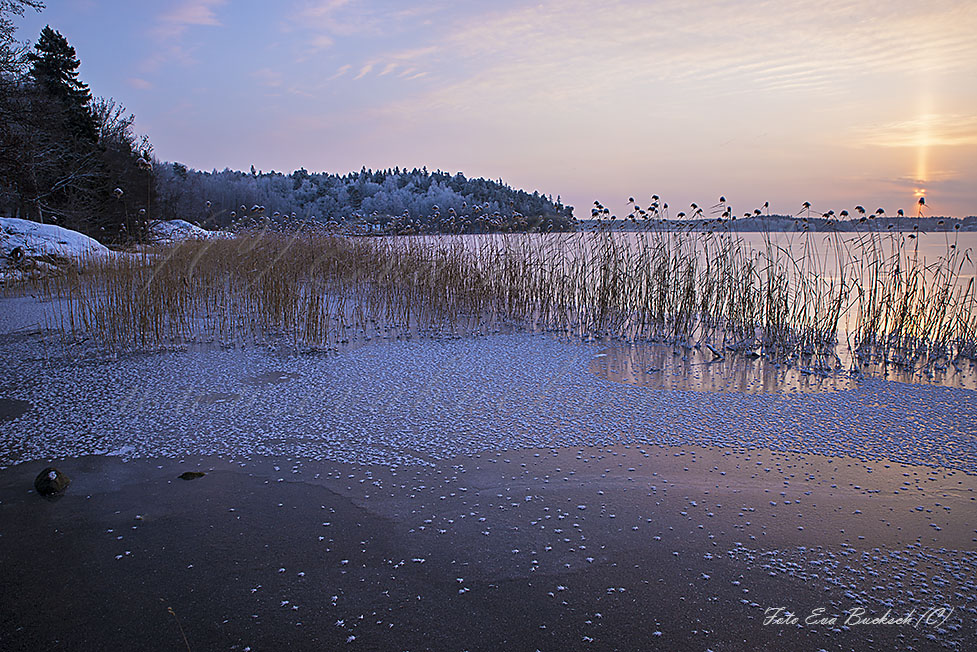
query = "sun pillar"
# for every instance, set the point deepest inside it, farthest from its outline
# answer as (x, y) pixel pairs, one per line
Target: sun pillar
(923, 136)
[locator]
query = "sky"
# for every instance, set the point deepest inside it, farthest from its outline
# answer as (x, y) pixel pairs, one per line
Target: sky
(833, 102)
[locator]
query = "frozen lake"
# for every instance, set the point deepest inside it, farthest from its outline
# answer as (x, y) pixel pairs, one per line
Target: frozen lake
(357, 497)
(388, 403)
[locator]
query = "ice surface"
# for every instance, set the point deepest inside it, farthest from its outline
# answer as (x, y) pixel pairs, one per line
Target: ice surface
(415, 401)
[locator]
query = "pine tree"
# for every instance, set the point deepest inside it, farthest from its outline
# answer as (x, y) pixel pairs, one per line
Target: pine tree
(54, 66)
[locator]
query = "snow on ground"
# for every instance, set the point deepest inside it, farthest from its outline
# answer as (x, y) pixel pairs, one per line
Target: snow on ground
(178, 230)
(37, 240)
(30, 248)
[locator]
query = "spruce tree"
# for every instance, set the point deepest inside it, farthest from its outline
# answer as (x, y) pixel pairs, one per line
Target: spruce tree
(54, 66)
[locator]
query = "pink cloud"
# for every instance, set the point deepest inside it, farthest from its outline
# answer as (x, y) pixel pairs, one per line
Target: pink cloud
(364, 71)
(192, 12)
(321, 42)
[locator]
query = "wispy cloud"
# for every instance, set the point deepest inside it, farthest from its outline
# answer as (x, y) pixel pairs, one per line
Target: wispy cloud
(322, 11)
(647, 89)
(407, 61)
(340, 72)
(364, 71)
(716, 48)
(320, 42)
(139, 83)
(172, 24)
(350, 26)
(324, 20)
(929, 130)
(170, 27)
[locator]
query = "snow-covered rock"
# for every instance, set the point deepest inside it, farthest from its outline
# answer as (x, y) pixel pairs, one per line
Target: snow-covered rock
(29, 249)
(178, 230)
(37, 240)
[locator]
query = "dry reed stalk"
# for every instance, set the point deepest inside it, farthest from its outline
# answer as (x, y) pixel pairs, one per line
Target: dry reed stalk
(688, 288)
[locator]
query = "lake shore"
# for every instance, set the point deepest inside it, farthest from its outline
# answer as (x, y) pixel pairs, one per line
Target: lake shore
(620, 548)
(484, 493)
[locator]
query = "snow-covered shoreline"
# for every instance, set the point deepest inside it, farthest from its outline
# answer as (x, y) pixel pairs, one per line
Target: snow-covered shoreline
(36, 240)
(28, 249)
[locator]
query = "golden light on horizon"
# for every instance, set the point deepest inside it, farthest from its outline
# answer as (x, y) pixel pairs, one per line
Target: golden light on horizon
(923, 138)
(922, 156)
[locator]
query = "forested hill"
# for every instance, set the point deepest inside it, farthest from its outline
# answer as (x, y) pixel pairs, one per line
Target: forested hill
(73, 159)
(393, 200)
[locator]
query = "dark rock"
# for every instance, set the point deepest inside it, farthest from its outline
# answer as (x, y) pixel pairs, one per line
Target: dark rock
(51, 482)
(191, 475)
(11, 408)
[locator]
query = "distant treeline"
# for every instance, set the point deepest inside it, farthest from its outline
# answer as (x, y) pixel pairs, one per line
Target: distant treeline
(393, 200)
(789, 223)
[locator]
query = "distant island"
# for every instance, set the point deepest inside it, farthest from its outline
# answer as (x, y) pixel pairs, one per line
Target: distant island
(787, 223)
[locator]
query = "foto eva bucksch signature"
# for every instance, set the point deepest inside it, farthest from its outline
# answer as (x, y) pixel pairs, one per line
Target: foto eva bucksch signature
(928, 617)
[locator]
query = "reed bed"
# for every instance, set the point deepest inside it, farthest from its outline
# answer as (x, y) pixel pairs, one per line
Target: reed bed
(871, 301)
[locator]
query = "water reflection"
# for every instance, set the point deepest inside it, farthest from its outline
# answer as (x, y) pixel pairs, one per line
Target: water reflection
(666, 367)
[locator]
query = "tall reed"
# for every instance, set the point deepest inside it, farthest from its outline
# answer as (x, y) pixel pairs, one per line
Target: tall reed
(687, 288)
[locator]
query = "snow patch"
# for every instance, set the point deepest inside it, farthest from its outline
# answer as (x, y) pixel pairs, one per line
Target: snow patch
(177, 231)
(37, 240)
(29, 249)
